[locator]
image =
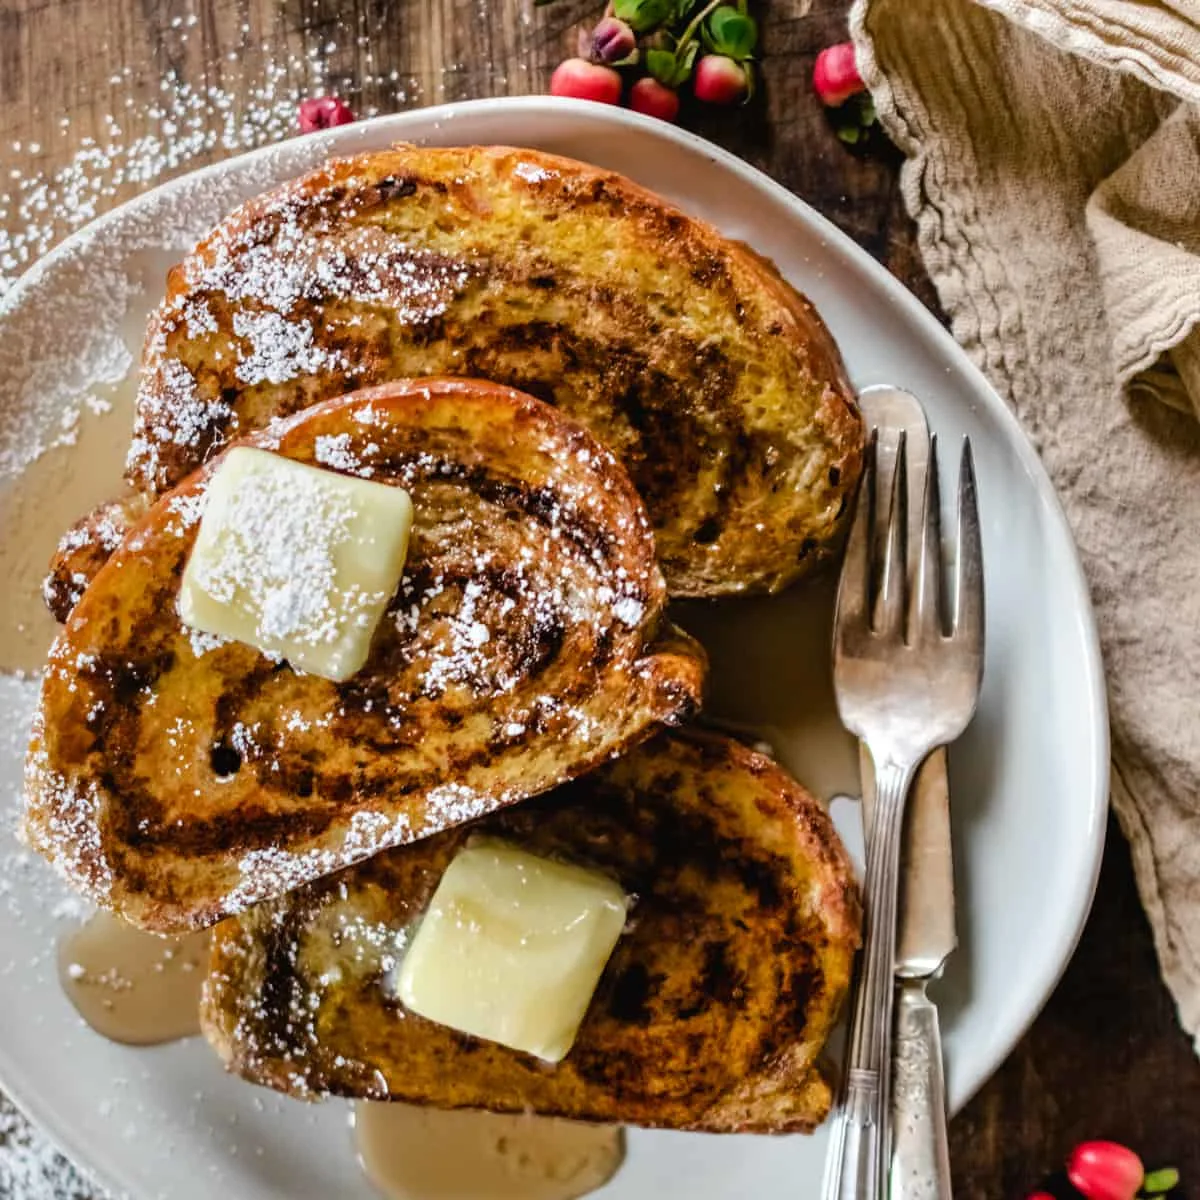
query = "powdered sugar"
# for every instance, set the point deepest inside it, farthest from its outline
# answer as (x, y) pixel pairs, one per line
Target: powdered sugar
(629, 611)
(455, 804)
(531, 172)
(364, 265)
(42, 395)
(31, 1168)
(22, 874)
(273, 871)
(68, 828)
(188, 124)
(280, 349)
(205, 643)
(334, 450)
(101, 301)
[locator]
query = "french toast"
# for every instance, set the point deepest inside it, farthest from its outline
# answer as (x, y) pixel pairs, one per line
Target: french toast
(176, 779)
(713, 381)
(84, 549)
(710, 1014)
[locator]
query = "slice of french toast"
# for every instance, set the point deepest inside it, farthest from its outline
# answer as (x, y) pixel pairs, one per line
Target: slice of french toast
(713, 381)
(176, 780)
(710, 1014)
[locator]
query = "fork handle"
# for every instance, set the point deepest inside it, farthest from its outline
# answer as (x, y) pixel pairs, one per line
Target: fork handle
(859, 1155)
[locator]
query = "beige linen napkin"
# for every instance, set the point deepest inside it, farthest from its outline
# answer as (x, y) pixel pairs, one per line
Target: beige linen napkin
(1053, 169)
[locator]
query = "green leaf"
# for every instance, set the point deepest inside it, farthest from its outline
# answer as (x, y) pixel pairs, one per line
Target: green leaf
(643, 15)
(849, 134)
(866, 112)
(1160, 1181)
(731, 33)
(672, 69)
(662, 65)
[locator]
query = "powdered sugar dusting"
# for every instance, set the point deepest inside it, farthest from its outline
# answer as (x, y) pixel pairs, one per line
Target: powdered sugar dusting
(193, 124)
(334, 450)
(31, 897)
(273, 871)
(98, 298)
(531, 172)
(455, 804)
(365, 265)
(278, 350)
(69, 828)
(30, 1167)
(42, 390)
(205, 643)
(272, 342)
(174, 412)
(23, 876)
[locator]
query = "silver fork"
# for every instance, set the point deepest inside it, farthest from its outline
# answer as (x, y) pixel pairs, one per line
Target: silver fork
(905, 685)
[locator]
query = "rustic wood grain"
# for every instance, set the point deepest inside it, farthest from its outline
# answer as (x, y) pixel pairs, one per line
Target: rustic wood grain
(1106, 1058)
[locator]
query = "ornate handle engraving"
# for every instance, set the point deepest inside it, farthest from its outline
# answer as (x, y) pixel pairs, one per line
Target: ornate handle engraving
(921, 1158)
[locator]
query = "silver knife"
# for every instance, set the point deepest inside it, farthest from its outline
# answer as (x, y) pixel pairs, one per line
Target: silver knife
(926, 935)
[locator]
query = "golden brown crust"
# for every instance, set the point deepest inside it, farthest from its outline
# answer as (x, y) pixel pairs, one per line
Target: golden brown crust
(176, 781)
(713, 381)
(84, 549)
(711, 1013)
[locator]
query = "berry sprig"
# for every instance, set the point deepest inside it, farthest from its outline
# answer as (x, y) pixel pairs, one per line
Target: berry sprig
(323, 112)
(658, 48)
(841, 89)
(1110, 1171)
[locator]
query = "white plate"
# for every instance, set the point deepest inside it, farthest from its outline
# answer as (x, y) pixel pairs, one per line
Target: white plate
(1029, 780)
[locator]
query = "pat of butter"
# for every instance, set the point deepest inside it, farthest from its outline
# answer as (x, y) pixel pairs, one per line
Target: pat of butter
(296, 561)
(512, 947)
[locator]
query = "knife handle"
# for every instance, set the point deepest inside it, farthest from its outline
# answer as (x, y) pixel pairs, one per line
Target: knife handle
(920, 1152)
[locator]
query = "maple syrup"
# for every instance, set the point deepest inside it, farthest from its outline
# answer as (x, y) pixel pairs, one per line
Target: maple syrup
(38, 505)
(412, 1153)
(772, 675)
(131, 986)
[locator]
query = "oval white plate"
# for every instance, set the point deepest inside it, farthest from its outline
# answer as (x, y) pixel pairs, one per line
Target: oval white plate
(1029, 780)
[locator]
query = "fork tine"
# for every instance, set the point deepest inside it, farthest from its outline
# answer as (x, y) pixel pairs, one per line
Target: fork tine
(889, 605)
(968, 584)
(854, 584)
(925, 615)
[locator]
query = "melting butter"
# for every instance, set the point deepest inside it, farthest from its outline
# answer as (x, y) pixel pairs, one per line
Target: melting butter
(512, 947)
(772, 672)
(412, 1153)
(38, 506)
(130, 986)
(296, 560)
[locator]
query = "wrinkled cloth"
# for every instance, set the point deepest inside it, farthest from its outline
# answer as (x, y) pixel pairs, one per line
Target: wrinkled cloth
(1053, 170)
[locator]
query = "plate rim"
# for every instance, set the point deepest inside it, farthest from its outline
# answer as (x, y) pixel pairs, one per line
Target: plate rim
(343, 139)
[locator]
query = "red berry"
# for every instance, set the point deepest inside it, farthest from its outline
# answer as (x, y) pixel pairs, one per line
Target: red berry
(323, 112)
(586, 81)
(1105, 1171)
(612, 40)
(719, 80)
(1039, 1196)
(654, 99)
(835, 75)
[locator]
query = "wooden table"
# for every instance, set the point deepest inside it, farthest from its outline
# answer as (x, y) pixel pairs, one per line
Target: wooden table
(1106, 1058)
